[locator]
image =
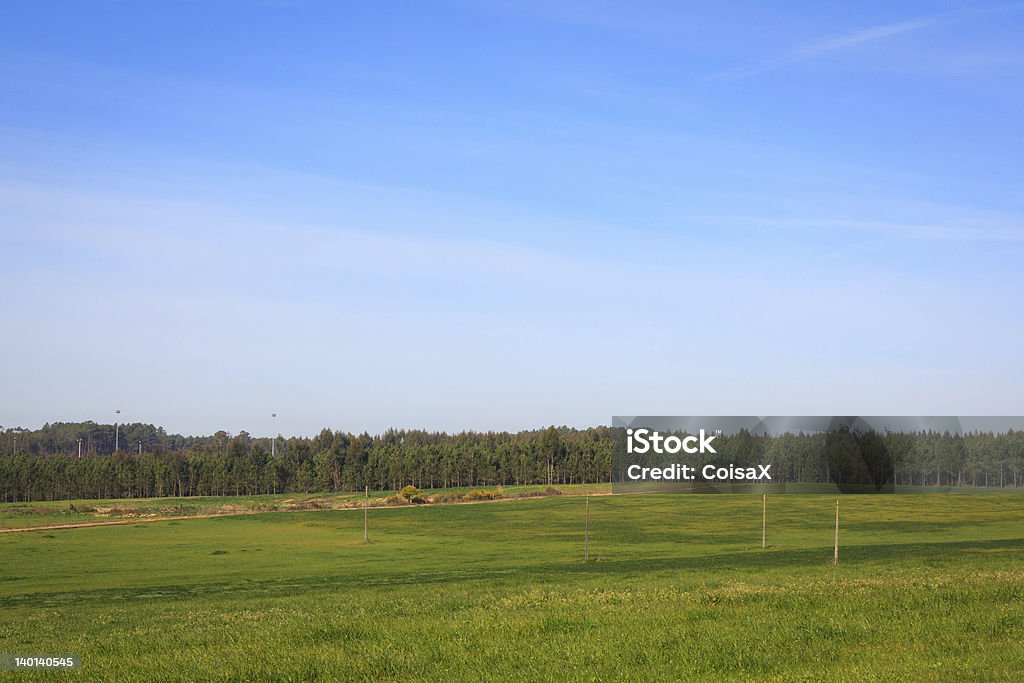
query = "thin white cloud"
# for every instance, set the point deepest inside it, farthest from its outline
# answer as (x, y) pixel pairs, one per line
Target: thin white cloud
(1002, 229)
(827, 46)
(865, 36)
(210, 236)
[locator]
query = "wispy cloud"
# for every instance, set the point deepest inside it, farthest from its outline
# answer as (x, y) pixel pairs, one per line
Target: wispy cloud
(1004, 230)
(826, 46)
(864, 36)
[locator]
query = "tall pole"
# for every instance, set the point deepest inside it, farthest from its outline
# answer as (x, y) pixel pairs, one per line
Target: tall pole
(79, 449)
(764, 519)
(835, 557)
(116, 432)
(586, 533)
(140, 447)
(366, 505)
(273, 443)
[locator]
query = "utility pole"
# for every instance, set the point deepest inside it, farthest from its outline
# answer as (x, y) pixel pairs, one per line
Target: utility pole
(586, 533)
(273, 443)
(79, 449)
(835, 557)
(140, 447)
(366, 505)
(116, 432)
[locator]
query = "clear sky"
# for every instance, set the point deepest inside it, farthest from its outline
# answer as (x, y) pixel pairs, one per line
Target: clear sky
(499, 215)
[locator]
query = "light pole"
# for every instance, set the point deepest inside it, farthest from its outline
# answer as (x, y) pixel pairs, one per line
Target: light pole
(79, 449)
(273, 442)
(116, 432)
(140, 447)
(17, 431)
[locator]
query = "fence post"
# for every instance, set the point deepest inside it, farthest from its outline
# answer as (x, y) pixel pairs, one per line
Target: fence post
(764, 520)
(586, 533)
(835, 556)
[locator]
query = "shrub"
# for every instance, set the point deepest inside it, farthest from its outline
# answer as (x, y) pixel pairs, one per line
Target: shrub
(482, 494)
(453, 497)
(409, 492)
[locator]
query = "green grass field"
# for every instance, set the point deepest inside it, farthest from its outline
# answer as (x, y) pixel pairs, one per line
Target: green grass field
(678, 587)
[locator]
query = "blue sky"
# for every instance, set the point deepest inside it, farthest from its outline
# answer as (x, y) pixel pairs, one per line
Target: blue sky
(497, 215)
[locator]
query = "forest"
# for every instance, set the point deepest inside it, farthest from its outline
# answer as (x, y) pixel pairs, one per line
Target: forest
(45, 464)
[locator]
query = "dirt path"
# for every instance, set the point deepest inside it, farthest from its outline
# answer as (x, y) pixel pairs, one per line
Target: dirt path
(235, 513)
(137, 520)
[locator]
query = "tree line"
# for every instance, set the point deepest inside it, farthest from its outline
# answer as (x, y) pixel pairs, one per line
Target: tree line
(44, 464)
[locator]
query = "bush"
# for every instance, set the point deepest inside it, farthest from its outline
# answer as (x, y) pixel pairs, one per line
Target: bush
(409, 492)
(454, 497)
(482, 494)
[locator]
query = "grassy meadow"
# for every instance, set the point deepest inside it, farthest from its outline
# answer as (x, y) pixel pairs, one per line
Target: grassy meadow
(677, 587)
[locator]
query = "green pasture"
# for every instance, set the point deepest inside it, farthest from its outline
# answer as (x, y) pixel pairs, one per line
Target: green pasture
(677, 587)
